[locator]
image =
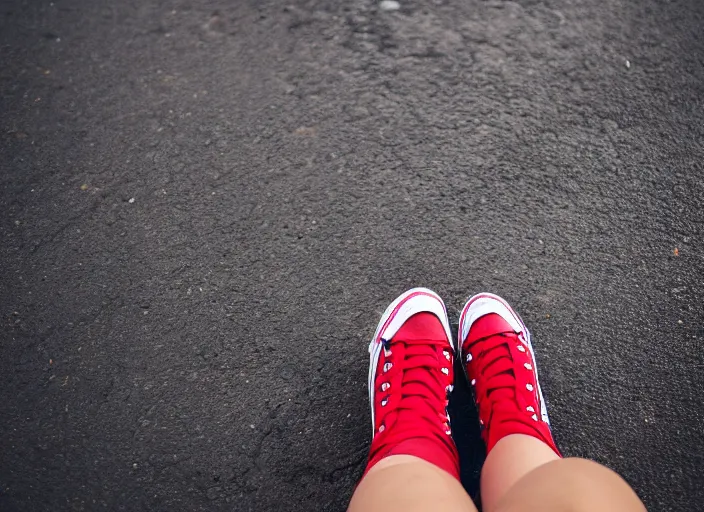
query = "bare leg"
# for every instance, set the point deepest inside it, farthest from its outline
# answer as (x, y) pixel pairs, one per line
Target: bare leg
(522, 474)
(510, 460)
(405, 483)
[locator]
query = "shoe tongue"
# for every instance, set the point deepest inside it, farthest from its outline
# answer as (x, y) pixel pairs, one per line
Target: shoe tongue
(499, 373)
(488, 325)
(421, 326)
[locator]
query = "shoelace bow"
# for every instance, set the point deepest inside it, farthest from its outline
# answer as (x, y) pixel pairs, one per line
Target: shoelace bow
(422, 394)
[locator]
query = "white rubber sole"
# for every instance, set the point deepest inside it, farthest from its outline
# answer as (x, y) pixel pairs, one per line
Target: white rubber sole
(416, 300)
(484, 304)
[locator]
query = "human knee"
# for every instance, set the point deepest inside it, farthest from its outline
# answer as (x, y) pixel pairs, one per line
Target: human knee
(574, 484)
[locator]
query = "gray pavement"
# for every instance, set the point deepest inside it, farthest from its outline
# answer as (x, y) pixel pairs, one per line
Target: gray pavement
(207, 205)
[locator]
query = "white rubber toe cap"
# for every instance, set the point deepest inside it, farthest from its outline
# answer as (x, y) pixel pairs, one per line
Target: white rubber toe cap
(485, 304)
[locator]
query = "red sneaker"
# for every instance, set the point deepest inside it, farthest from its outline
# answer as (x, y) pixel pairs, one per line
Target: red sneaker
(410, 378)
(498, 358)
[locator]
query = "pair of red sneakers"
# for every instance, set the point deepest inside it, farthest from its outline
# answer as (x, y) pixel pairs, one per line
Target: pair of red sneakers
(411, 377)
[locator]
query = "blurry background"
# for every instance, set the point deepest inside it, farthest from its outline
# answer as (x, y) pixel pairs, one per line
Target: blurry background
(206, 205)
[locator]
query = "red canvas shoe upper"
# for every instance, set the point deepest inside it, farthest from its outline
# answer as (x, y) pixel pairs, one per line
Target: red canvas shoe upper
(499, 362)
(411, 384)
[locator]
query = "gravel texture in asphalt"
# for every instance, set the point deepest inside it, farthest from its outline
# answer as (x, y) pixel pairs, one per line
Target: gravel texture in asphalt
(206, 205)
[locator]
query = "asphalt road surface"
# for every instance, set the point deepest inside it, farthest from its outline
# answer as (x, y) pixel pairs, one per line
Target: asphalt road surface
(207, 205)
